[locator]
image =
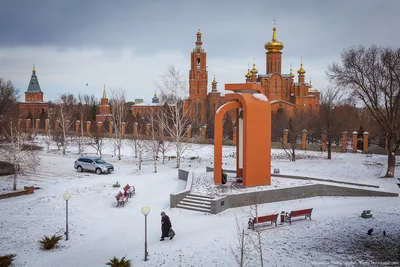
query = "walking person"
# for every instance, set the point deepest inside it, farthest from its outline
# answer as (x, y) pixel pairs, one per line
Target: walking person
(165, 226)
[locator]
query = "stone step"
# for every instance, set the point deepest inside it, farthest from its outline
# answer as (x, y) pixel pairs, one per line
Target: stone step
(193, 208)
(183, 202)
(200, 196)
(195, 200)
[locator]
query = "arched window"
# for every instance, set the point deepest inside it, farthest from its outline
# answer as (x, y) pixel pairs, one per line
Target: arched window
(274, 66)
(276, 87)
(287, 89)
(279, 67)
(198, 63)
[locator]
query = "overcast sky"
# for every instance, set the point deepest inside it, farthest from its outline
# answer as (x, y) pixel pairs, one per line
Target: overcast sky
(129, 44)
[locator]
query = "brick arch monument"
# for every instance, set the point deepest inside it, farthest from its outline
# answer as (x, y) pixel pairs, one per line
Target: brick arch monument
(253, 133)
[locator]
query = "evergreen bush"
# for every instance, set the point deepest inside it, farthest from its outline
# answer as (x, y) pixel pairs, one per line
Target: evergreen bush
(123, 262)
(49, 243)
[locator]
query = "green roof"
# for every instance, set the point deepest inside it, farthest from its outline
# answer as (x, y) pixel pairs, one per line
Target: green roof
(34, 86)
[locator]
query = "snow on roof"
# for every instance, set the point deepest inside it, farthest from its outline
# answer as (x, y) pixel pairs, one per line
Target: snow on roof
(261, 97)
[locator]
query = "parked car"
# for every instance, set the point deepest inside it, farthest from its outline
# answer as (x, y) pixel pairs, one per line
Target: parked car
(95, 164)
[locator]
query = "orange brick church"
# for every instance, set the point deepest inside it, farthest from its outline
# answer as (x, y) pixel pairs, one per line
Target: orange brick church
(284, 92)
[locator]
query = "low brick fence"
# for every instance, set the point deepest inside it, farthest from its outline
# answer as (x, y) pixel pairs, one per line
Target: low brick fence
(27, 190)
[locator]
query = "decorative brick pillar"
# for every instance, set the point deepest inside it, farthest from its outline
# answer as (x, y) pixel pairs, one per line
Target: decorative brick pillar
(204, 134)
(67, 122)
(323, 141)
(135, 126)
(99, 126)
(285, 137)
(344, 141)
(148, 129)
(28, 124)
(365, 142)
(123, 125)
(46, 126)
(355, 133)
(110, 129)
(37, 124)
(304, 139)
(77, 126)
(234, 135)
(88, 126)
(189, 133)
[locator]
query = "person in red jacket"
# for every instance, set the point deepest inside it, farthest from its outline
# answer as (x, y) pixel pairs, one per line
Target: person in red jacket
(165, 226)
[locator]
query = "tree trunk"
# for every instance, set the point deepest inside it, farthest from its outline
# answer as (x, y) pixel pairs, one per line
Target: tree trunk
(155, 163)
(391, 159)
(293, 154)
(15, 179)
(178, 156)
(329, 145)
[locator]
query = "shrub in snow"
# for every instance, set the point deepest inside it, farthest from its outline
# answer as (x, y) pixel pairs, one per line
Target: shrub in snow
(123, 262)
(224, 178)
(49, 243)
(7, 260)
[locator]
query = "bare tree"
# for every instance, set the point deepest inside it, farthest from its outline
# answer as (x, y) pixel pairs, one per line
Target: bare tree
(241, 245)
(18, 153)
(65, 117)
(8, 95)
(97, 140)
(153, 143)
(254, 214)
(117, 118)
(331, 119)
(372, 75)
(173, 88)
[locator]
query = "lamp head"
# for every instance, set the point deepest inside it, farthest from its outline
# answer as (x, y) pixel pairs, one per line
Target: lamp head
(67, 196)
(146, 210)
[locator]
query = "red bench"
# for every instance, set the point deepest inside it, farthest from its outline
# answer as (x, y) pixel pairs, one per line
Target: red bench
(129, 190)
(298, 213)
(263, 219)
(121, 199)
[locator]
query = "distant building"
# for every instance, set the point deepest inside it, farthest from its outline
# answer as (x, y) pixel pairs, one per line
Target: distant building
(104, 108)
(34, 107)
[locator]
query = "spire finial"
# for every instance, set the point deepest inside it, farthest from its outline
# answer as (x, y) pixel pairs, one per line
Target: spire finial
(104, 92)
(34, 69)
(301, 71)
(291, 73)
(155, 93)
(310, 83)
(274, 22)
(274, 31)
(254, 71)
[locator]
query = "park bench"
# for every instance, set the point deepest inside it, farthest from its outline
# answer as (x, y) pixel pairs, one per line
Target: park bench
(129, 190)
(121, 199)
(263, 219)
(298, 213)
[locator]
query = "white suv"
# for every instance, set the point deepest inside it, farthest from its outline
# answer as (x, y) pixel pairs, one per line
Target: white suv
(93, 164)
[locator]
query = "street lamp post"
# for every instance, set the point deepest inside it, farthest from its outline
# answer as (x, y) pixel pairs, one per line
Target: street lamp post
(145, 212)
(66, 196)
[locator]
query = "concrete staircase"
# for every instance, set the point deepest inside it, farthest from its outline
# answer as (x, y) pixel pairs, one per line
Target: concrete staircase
(196, 203)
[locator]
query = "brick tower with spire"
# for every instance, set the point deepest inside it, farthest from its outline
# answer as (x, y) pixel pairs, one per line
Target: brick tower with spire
(104, 108)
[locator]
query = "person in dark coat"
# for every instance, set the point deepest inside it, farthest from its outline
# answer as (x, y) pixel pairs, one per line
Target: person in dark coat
(165, 226)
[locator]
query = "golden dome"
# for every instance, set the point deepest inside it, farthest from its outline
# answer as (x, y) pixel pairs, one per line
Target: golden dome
(301, 71)
(274, 45)
(254, 71)
(291, 73)
(248, 74)
(214, 82)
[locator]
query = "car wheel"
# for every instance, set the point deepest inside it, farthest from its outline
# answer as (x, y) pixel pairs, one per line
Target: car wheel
(98, 171)
(80, 169)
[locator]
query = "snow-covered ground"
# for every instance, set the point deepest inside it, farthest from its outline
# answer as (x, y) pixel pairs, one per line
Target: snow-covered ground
(98, 230)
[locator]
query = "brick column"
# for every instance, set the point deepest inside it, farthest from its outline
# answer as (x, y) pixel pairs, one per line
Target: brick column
(88, 125)
(365, 142)
(77, 126)
(148, 129)
(204, 134)
(285, 137)
(123, 125)
(99, 126)
(37, 124)
(67, 125)
(323, 141)
(46, 126)
(234, 135)
(355, 133)
(110, 128)
(189, 133)
(344, 141)
(135, 134)
(304, 139)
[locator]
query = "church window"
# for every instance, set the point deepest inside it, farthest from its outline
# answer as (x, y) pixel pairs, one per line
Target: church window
(276, 87)
(198, 63)
(274, 66)
(279, 67)
(287, 89)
